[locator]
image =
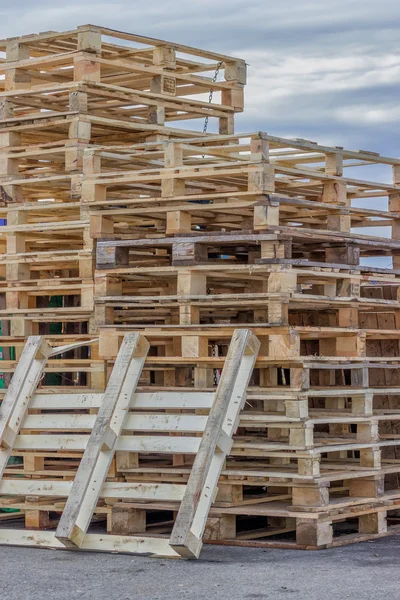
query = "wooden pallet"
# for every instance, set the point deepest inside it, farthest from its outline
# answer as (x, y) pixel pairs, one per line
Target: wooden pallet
(119, 70)
(232, 182)
(116, 430)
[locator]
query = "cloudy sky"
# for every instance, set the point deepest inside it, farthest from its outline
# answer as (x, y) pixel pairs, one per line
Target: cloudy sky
(325, 71)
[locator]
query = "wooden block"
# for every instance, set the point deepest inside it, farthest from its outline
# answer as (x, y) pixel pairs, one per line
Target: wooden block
(359, 377)
(188, 253)
(312, 532)
(367, 487)
(234, 97)
(282, 282)
(262, 180)
(309, 466)
(236, 71)
(297, 409)
(370, 458)
(164, 56)
(126, 460)
(368, 432)
(33, 463)
(232, 494)
(362, 405)
(86, 68)
(284, 346)
(189, 314)
(220, 528)
(189, 283)
(226, 125)
(334, 192)
(203, 377)
(101, 226)
(300, 378)
(275, 249)
(334, 163)
(339, 222)
(277, 314)
(89, 39)
(348, 317)
(108, 345)
(348, 255)
(350, 346)
(194, 345)
(265, 216)
(103, 315)
(112, 257)
(310, 496)
(125, 521)
(78, 101)
(35, 518)
(373, 523)
(303, 437)
(178, 221)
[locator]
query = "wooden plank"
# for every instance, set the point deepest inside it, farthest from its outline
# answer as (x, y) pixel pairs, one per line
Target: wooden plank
(127, 443)
(141, 400)
(146, 546)
(134, 422)
(73, 346)
(134, 491)
(215, 444)
(102, 443)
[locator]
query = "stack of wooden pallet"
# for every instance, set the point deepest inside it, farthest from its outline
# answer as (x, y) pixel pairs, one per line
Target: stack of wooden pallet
(62, 93)
(262, 232)
(137, 226)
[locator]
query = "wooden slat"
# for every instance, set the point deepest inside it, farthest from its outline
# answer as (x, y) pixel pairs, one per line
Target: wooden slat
(73, 346)
(134, 491)
(142, 400)
(134, 422)
(93, 542)
(66, 401)
(126, 443)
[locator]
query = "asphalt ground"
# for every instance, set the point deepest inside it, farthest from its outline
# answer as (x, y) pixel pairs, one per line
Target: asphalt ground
(365, 571)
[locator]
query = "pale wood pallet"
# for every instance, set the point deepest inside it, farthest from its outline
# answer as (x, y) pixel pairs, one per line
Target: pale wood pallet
(250, 174)
(116, 429)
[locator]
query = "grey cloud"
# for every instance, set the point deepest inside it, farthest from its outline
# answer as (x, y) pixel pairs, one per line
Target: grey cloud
(312, 64)
(327, 72)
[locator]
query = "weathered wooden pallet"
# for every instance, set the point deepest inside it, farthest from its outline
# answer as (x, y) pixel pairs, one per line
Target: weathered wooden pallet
(156, 426)
(162, 74)
(232, 182)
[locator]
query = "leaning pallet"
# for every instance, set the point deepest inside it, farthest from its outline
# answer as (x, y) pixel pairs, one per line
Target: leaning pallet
(189, 241)
(127, 421)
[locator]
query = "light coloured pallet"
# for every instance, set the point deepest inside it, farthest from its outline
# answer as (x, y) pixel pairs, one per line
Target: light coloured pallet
(125, 424)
